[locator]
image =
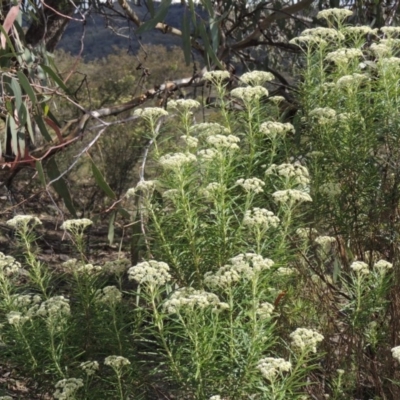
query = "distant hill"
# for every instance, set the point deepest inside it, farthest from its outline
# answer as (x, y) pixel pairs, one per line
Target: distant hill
(101, 33)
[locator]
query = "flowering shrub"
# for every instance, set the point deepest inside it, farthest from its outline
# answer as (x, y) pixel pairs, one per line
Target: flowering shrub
(268, 263)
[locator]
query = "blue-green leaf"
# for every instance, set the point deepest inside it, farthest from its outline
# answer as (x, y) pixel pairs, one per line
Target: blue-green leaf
(159, 16)
(99, 178)
(59, 185)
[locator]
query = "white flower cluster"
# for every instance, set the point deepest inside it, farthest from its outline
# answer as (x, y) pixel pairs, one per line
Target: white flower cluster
(243, 266)
(16, 318)
(256, 78)
(343, 55)
(110, 295)
(325, 240)
(190, 141)
(274, 129)
(360, 267)
(390, 62)
(308, 40)
(150, 272)
(223, 142)
(265, 310)
(216, 77)
(348, 81)
(249, 93)
(55, 307)
(276, 99)
(337, 14)
(297, 173)
(24, 221)
(251, 185)
(323, 33)
(305, 339)
(8, 265)
(89, 367)
(145, 187)
(285, 271)
(24, 301)
(117, 267)
(116, 362)
(359, 30)
(150, 113)
(390, 31)
(89, 269)
(211, 191)
(208, 155)
(73, 225)
(188, 298)
(324, 115)
(383, 266)
(331, 189)
(216, 397)
(66, 388)
(6, 398)
(270, 367)
(396, 353)
(260, 217)
(305, 233)
(205, 129)
(183, 104)
(291, 195)
(171, 194)
(175, 161)
(380, 49)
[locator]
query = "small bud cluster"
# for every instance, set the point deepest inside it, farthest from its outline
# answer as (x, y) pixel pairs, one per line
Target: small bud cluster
(251, 185)
(256, 78)
(183, 104)
(260, 218)
(273, 129)
(323, 115)
(343, 55)
(187, 299)
(8, 265)
(55, 308)
(150, 113)
(243, 266)
(360, 267)
(109, 295)
(175, 161)
(151, 272)
(89, 367)
(116, 362)
(291, 195)
(306, 339)
(23, 222)
(72, 225)
(249, 94)
(270, 367)
(297, 173)
(223, 142)
(66, 388)
(265, 310)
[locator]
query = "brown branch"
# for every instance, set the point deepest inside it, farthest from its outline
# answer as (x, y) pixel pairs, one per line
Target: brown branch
(266, 22)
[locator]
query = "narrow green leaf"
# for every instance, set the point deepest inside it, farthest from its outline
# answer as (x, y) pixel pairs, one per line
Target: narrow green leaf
(150, 6)
(59, 185)
(43, 129)
(159, 16)
(24, 82)
(21, 143)
(186, 38)
(16, 88)
(55, 77)
(124, 212)
(29, 127)
(207, 46)
(22, 114)
(111, 228)
(8, 41)
(39, 169)
(99, 178)
(14, 134)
